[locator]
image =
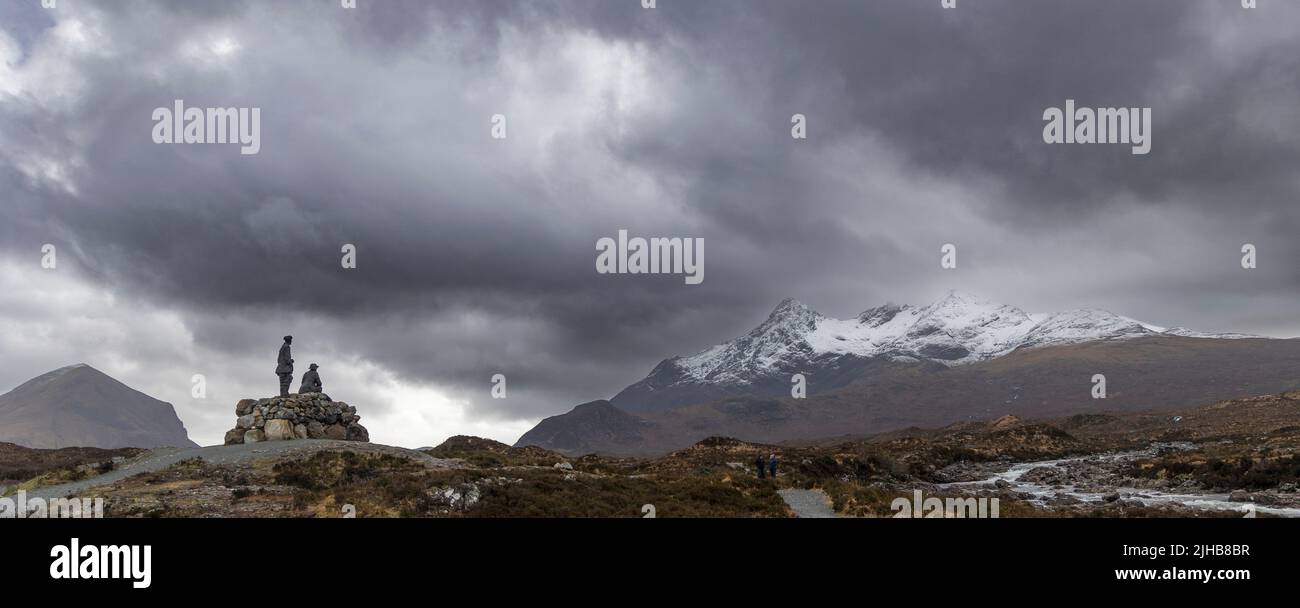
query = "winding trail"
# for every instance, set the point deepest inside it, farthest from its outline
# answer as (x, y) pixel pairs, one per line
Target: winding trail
(808, 504)
(159, 459)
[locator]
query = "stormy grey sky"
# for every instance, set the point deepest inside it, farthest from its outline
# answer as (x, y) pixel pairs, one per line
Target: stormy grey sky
(477, 255)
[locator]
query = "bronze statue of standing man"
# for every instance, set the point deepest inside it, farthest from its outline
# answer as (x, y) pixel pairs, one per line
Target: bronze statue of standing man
(284, 367)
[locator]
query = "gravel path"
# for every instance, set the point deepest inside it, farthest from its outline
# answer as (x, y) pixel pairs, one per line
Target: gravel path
(156, 460)
(810, 504)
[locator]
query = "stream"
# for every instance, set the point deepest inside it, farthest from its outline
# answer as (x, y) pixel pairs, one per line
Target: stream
(1041, 492)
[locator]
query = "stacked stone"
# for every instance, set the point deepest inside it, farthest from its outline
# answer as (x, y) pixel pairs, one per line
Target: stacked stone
(305, 416)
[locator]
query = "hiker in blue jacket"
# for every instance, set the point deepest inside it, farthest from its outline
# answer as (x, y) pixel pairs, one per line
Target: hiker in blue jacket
(771, 465)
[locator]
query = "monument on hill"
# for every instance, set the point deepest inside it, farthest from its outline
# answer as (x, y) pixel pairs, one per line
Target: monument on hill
(302, 416)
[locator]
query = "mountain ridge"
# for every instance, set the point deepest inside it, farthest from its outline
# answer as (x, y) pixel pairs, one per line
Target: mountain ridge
(794, 339)
(893, 366)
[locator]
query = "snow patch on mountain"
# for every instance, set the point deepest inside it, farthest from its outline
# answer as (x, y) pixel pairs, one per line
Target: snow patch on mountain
(1188, 333)
(957, 329)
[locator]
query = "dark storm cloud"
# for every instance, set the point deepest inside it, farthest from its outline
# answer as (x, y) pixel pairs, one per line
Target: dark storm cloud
(477, 256)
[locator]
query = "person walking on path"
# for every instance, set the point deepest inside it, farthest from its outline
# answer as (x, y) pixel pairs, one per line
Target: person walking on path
(771, 465)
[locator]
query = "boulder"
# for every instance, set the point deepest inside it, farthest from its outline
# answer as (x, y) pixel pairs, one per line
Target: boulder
(234, 436)
(247, 421)
(356, 432)
(315, 430)
(279, 430)
(245, 407)
(254, 436)
(1267, 499)
(336, 431)
(300, 431)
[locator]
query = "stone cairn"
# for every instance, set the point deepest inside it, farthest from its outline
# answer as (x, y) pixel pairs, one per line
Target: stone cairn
(305, 416)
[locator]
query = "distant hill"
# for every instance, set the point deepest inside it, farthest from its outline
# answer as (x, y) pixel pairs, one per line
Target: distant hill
(591, 427)
(486, 452)
(80, 406)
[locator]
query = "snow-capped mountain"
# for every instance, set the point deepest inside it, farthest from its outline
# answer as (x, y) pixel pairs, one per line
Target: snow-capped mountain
(957, 329)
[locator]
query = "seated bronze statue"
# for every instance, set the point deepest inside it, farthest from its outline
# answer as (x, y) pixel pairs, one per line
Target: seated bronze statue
(310, 381)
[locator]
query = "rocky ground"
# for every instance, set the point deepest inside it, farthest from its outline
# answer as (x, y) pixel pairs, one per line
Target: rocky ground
(1209, 461)
(808, 504)
(1198, 463)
